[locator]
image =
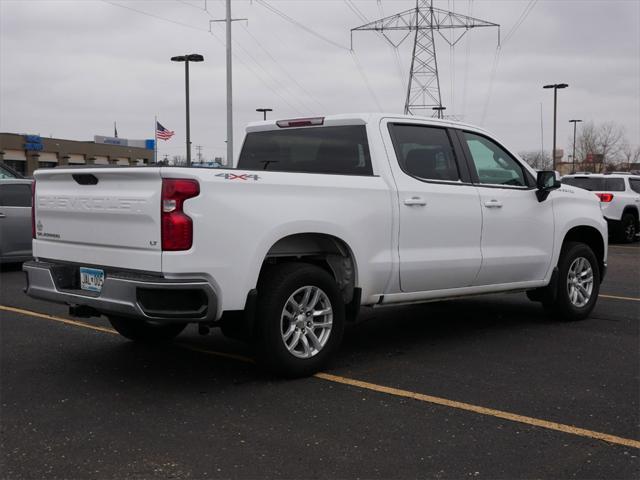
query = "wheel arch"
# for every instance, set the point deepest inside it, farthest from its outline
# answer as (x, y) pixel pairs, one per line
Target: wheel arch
(325, 250)
(590, 236)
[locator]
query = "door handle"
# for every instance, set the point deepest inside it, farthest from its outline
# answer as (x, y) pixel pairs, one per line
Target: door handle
(415, 201)
(493, 204)
(2, 215)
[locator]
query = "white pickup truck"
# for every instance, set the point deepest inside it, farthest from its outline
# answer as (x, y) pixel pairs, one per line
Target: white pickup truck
(320, 217)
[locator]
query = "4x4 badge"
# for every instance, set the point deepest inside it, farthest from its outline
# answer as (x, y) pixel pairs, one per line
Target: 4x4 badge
(242, 176)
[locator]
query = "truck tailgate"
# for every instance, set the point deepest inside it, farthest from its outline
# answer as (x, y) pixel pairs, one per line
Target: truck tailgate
(99, 216)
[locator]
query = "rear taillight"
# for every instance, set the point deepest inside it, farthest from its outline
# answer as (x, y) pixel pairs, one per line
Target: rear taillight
(605, 197)
(177, 227)
(33, 209)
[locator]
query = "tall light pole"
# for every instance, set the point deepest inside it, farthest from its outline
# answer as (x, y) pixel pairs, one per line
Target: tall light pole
(194, 57)
(575, 122)
(264, 111)
(555, 87)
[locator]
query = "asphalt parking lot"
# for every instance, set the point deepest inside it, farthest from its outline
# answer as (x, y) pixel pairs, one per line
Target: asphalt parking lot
(485, 388)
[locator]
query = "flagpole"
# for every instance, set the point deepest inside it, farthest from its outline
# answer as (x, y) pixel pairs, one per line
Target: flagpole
(155, 141)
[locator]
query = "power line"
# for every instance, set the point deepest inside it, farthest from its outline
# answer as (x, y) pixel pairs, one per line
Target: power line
(157, 17)
(184, 2)
(259, 77)
(269, 74)
(525, 13)
(352, 6)
(394, 50)
(492, 76)
(284, 70)
(286, 17)
(327, 40)
(366, 80)
(398, 61)
(496, 59)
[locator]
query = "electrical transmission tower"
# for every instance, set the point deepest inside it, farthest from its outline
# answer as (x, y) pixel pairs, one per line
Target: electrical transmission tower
(423, 90)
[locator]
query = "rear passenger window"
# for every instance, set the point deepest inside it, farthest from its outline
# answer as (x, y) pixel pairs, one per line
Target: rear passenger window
(635, 184)
(338, 150)
(15, 195)
(425, 152)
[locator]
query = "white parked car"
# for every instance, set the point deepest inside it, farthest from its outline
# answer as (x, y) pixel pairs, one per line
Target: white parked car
(619, 196)
(322, 216)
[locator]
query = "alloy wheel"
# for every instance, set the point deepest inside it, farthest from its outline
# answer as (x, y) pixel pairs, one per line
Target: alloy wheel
(306, 321)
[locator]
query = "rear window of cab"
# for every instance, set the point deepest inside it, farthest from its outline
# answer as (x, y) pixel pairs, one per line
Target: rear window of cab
(341, 150)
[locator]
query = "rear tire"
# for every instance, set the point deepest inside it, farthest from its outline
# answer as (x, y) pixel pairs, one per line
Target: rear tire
(628, 228)
(578, 283)
(300, 319)
(145, 332)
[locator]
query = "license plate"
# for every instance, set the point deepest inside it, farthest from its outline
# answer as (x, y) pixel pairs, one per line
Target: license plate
(91, 279)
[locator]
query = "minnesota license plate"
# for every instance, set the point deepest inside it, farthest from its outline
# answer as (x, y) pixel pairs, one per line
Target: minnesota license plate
(91, 279)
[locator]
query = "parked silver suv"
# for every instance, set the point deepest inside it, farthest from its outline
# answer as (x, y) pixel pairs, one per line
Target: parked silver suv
(15, 220)
(619, 195)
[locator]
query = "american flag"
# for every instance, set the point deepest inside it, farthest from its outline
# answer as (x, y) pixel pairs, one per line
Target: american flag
(162, 133)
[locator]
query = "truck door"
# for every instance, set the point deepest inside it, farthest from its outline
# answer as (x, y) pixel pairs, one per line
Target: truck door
(517, 230)
(440, 216)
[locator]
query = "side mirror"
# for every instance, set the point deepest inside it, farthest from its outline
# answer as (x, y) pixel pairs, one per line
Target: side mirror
(546, 181)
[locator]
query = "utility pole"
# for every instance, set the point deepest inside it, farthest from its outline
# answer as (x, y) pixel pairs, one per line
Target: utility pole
(199, 150)
(423, 89)
(228, 21)
(575, 122)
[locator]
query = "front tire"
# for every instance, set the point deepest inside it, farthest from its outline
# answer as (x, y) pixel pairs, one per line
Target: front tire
(578, 283)
(300, 319)
(145, 332)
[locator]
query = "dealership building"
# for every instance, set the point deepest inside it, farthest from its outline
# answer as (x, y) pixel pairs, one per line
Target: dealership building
(26, 153)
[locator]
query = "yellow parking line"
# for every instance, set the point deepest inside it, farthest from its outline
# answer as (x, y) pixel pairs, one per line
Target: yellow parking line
(560, 427)
(233, 356)
(513, 417)
(615, 297)
(56, 319)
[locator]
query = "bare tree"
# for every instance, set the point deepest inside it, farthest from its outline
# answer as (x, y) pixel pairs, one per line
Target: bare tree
(610, 142)
(538, 159)
(603, 142)
(630, 155)
(586, 141)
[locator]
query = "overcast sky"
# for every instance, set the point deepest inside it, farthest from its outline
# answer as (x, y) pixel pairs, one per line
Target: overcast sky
(69, 69)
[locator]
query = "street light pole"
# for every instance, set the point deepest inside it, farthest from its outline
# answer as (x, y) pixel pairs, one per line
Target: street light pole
(575, 122)
(440, 111)
(555, 87)
(194, 57)
(264, 111)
